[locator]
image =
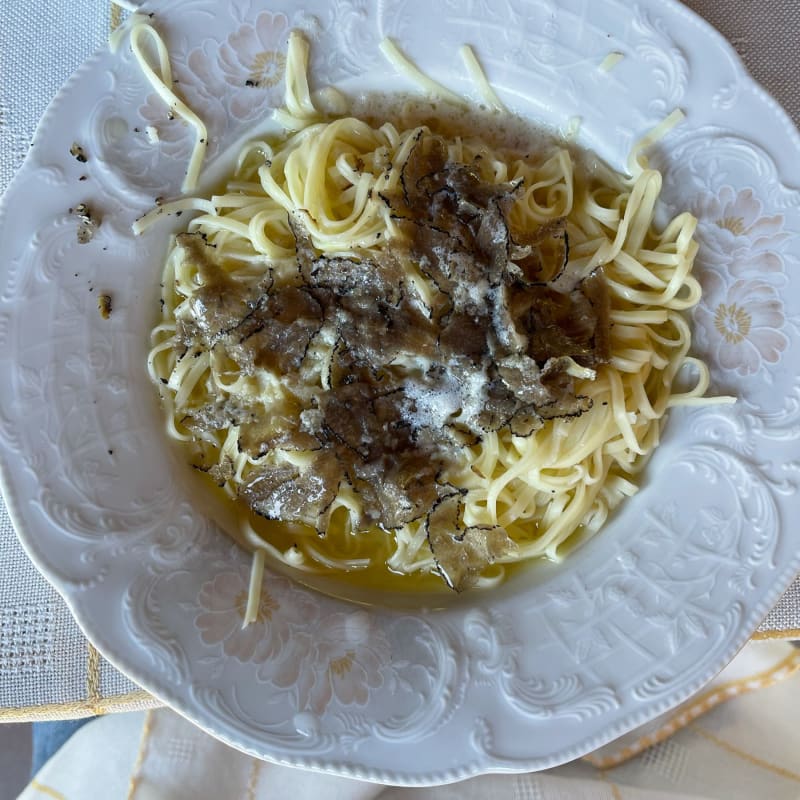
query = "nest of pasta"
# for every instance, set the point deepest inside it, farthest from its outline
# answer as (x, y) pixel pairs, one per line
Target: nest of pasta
(405, 352)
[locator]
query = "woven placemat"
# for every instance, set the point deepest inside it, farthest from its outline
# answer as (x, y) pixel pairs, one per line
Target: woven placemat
(47, 668)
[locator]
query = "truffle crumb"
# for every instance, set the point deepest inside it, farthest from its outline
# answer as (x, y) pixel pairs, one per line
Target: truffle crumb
(104, 305)
(87, 223)
(78, 152)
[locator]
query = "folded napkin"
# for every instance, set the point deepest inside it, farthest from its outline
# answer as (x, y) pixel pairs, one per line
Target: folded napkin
(739, 750)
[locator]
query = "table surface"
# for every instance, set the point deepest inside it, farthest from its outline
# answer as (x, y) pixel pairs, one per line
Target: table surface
(47, 668)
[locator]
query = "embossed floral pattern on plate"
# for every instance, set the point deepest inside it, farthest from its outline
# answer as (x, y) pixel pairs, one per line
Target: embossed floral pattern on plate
(556, 663)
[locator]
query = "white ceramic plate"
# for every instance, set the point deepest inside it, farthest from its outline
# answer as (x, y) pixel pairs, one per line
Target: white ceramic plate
(552, 666)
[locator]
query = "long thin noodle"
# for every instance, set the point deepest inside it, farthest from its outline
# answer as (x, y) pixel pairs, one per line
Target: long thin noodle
(479, 78)
(405, 66)
(164, 87)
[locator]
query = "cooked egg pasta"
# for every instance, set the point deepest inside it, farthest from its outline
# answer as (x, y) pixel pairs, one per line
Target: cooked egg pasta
(611, 61)
(161, 81)
(478, 77)
(398, 59)
(547, 489)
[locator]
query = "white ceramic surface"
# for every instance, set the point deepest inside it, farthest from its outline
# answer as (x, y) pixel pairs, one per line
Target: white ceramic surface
(555, 664)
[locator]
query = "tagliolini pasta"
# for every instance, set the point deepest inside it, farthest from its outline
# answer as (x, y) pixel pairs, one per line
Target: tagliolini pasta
(266, 362)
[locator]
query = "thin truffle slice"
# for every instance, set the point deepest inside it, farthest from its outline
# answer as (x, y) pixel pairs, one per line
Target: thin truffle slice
(595, 289)
(526, 421)
(349, 414)
(303, 247)
(220, 303)
(222, 472)
(278, 334)
(285, 493)
(258, 437)
(461, 554)
(499, 407)
(463, 334)
(522, 375)
(396, 493)
(561, 385)
(427, 158)
(271, 491)
(542, 256)
(217, 415)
